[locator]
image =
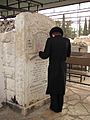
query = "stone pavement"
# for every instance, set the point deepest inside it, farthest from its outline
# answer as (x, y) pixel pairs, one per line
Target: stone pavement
(76, 107)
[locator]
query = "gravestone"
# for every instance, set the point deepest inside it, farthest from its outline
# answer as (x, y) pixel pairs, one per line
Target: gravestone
(24, 73)
(32, 31)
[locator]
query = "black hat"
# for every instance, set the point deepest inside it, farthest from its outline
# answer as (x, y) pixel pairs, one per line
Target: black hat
(56, 29)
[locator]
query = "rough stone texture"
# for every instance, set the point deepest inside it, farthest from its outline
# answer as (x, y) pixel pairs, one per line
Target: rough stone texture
(2, 85)
(7, 25)
(77, 48)
(77, 111)
(24, 73)
(81, 44)
(31, 72)
(82, 40)
(8, 58)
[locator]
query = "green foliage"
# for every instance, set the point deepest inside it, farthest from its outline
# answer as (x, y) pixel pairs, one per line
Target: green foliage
(80, 30)
(85, 31)
(68, 30)
(63, 24)
(89, 26)
(58, 23)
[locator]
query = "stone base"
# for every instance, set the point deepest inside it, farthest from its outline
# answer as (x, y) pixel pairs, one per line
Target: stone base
(30, 108)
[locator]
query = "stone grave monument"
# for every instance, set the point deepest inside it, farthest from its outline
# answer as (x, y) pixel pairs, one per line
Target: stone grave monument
(25, 74)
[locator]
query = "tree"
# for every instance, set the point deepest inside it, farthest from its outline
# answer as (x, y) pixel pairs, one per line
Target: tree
(63, 24)
(85, 31)
(80, 30)
(89, 26)
(67, 29)
(70, 32)
(58, 23)
(73, 34)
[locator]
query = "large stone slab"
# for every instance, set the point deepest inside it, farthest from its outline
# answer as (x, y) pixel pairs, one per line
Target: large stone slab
(24, 74)
(32, 31)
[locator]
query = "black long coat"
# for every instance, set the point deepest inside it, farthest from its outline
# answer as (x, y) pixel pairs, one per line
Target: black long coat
(57, 49)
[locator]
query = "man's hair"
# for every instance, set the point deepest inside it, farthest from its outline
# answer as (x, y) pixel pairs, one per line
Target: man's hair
(56, 29)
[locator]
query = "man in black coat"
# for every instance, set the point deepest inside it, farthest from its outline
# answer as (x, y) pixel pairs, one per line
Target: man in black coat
(57, 49)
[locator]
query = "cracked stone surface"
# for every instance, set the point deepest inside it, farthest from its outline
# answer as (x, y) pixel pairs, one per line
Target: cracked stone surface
(76, 107)
(7, 25)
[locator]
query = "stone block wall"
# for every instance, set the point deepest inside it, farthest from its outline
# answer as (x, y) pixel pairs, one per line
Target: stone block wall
(2, 80)
(8, 63)
(25, 74)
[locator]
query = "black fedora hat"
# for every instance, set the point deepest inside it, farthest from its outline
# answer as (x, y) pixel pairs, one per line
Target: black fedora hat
(56, 29)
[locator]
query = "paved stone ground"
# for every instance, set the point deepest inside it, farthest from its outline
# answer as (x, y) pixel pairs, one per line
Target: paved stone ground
(76, 107)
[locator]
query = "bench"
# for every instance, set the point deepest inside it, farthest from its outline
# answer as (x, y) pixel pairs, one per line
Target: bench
(81, 63)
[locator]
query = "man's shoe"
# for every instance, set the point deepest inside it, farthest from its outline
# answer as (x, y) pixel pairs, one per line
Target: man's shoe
(58, 110)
